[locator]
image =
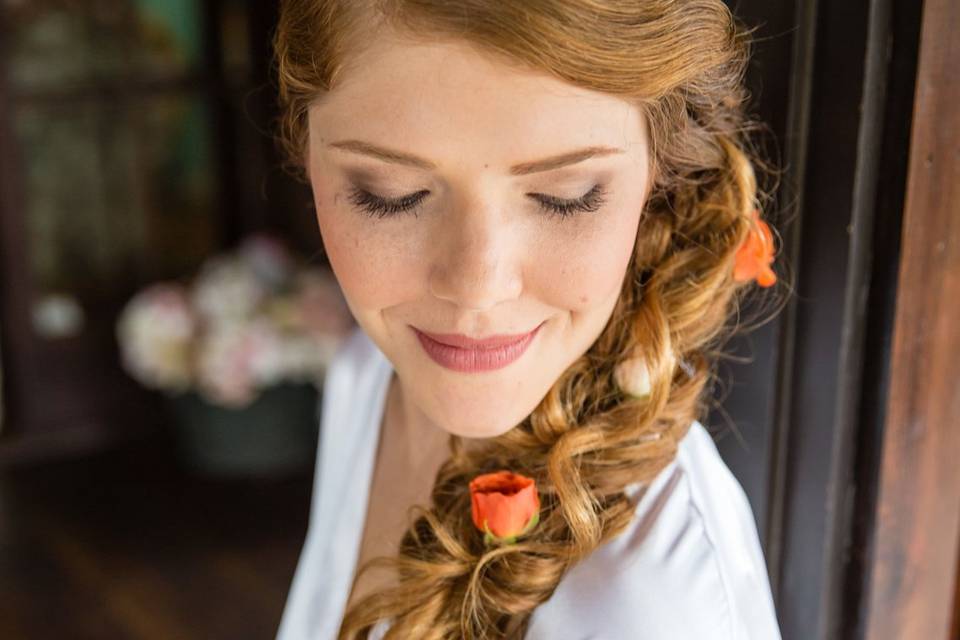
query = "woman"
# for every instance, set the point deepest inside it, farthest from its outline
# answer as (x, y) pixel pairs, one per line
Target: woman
(542, 214)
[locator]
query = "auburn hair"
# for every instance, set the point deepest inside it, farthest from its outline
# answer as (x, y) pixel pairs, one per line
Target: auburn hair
(683, 65)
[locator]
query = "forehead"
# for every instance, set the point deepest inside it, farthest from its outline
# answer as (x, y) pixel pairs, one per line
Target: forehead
(438, 98)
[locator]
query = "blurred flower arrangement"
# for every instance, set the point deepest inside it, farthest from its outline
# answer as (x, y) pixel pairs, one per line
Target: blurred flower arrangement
(251, 319)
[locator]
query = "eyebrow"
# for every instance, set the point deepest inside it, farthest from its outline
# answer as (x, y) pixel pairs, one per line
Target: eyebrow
(522, 169)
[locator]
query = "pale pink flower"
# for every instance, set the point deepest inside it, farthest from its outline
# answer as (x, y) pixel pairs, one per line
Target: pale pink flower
(155, 331)
(235, 360)
(227, 290)
(323, 307)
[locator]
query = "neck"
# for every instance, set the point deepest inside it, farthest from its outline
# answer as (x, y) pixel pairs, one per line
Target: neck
(421, 440)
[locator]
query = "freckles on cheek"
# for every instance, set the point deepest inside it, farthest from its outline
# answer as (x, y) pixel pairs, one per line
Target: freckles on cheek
(590, 285)
(367, 263)
(583, 277)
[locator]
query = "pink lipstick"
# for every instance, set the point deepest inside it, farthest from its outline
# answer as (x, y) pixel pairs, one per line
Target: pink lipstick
(462, 353)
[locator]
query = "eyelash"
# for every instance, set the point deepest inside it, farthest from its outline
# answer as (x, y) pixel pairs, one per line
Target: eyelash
(381, 207)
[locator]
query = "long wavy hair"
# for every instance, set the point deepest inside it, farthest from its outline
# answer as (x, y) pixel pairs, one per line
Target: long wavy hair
(683, 63)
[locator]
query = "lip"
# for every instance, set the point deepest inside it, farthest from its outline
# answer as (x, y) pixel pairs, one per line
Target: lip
(466, 342)
(461, 353)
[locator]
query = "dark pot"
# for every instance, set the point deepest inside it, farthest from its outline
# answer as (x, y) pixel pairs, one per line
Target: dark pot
(276, 434)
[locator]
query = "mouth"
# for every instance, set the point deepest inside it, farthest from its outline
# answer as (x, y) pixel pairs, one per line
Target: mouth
(462, 353)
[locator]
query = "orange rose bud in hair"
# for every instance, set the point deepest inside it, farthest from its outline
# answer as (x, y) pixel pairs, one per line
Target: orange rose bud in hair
(755, 255)
(504, 505)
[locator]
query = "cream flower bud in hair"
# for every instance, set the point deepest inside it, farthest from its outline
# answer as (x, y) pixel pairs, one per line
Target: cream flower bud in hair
(633, 378)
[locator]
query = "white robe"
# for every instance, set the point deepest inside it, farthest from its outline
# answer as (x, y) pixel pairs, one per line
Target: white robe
(688, 567)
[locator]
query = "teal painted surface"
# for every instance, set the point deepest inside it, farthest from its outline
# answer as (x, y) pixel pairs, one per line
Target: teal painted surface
(274, 435)
(175, 20)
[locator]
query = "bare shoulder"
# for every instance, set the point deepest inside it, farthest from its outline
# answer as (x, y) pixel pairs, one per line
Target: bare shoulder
(689, 566)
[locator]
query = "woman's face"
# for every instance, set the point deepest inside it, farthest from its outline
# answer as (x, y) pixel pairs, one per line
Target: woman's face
(469, 155)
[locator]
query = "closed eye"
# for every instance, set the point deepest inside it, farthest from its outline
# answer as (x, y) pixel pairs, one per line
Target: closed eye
(588, 202)
(381, 207)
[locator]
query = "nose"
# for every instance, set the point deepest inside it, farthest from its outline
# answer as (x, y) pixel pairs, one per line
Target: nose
(476, 261)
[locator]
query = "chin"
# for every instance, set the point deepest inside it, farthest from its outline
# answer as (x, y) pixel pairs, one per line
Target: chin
(477, 424)
(478, 431)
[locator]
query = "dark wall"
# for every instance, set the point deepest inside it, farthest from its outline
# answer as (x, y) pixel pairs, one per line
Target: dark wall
(835, 83)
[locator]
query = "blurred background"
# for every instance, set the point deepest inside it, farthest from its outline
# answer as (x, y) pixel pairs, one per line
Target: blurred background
(167, 318)
(167, 315)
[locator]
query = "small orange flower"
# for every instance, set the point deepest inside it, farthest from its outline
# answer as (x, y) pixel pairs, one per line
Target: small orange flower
(504, 505)
(755, 255)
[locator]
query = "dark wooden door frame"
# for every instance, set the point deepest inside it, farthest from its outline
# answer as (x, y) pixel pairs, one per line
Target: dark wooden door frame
(854, 68)
(912, 575)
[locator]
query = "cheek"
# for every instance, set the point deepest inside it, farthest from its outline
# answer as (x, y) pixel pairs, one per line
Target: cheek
(372, 266)
(582, 272)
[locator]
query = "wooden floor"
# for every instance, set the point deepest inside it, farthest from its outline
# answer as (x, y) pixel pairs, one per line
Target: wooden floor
(125, 545)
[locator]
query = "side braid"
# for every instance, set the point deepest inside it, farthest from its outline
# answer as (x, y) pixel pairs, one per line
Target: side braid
(584, 443)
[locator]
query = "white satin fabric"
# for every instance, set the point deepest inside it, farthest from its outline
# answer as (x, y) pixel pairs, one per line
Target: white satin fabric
(689, 567)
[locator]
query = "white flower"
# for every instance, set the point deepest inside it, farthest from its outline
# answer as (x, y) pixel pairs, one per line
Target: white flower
(633, 378)
(155, 330)
(252, 319)
(306, 357)
(227, 290)
(266, 354)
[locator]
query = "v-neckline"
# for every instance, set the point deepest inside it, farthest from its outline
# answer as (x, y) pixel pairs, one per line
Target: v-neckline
(379, 427)
(343, 546)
